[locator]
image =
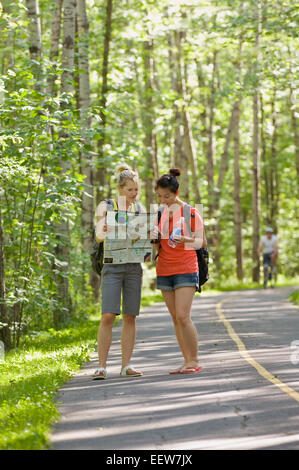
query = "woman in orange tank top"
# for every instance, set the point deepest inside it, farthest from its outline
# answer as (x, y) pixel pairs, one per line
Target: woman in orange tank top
(177, 267)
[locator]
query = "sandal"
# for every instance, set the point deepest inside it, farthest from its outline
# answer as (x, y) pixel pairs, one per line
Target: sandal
(191, 370)
(124, 372)
(100, 374)
(176, 371)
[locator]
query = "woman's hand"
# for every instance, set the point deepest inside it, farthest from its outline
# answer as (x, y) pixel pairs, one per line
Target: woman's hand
(178, 239)
(107, 228)
(154, 233)
(193, 242)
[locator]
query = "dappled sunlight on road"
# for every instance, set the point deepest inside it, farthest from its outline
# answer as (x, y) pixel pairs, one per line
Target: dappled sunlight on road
(228, 405)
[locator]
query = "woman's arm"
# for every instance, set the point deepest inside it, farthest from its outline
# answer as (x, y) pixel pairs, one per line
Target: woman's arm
(101, 227)
(195, 242)
(197, 238)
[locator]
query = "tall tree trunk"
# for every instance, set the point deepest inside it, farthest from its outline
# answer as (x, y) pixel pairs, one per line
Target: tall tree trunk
(215, 226)
(62, 250)
(7, 38)
(172, 79)
(54, 48)
(204, 107)
(148, 122)
(86, 162)
(265, 162)
(237, 179)
(274, 174)
(188, 142)
(295, 130)
(256, 155)
(69, 27)
(237, 199)
(210, 150)
(188, 139)
(269, 164)
(101, 172)
(52, 89)
(5, 336)
(180, 156)
(35, 41)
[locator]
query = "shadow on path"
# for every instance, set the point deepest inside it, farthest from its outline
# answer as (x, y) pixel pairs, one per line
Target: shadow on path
(226, 406)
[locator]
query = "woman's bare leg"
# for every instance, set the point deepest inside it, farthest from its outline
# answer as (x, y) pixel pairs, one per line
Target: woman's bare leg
(105, 337)
(128, 336)
(169, 297)
(183, 302)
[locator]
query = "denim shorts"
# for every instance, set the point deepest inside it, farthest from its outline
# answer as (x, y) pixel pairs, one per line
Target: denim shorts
(178, 280)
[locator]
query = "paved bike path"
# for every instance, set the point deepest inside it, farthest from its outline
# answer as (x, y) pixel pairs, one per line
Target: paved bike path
(229, 405)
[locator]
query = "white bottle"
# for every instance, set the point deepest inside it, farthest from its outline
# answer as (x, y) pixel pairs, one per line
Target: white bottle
(177, 230)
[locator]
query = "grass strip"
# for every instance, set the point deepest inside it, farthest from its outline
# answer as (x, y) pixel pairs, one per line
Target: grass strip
(294, 297)
(30, 377)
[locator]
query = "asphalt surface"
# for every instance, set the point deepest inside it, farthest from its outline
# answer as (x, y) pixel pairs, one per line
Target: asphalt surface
(229, 405)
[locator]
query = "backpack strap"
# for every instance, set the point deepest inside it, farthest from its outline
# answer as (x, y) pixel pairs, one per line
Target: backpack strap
(160, 210)
(187, 214)
(136, 207)
(113, 204)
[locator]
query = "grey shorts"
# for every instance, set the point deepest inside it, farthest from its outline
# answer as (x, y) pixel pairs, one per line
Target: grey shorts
(121, 280)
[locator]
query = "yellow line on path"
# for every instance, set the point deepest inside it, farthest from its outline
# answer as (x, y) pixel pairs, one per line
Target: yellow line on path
(245, 354)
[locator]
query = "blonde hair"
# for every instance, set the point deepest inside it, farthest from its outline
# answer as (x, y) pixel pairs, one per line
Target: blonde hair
(125, 173)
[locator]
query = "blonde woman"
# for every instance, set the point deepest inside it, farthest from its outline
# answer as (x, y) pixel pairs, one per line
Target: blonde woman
(119, 280)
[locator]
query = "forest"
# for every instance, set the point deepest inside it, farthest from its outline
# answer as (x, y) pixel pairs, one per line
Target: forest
(208, 86)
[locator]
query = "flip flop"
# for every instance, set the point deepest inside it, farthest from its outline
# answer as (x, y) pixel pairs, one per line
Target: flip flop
(100, 374)
(125, 369)
(176, 371)
(191, 370)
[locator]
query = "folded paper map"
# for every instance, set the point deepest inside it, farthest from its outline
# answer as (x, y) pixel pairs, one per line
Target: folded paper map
(128, 237)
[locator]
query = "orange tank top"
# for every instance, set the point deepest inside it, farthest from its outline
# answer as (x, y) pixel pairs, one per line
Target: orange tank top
(182, 259)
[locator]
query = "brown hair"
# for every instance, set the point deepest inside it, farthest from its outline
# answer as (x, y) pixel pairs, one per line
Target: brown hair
(169, 181)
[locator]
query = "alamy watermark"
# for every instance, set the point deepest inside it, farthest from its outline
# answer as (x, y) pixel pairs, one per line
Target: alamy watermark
(295, 353)
(144, 225)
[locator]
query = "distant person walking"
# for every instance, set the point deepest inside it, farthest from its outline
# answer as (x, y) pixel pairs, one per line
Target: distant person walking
(268, 246)
(177, 266)
(119, 280)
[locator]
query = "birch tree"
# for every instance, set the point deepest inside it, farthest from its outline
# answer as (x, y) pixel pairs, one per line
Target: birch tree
(35, 40)
(237, 179)
(86, 159)
(256, 153)
(295, 128)
(180, 156)
(148, 113)
(5, 335)
(62, 251)
(54, 47)
(101, 171)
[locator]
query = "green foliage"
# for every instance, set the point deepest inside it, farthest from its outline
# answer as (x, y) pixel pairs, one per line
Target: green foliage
(40, 133)
(37, 196)
(30, 377)
(294, 297)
